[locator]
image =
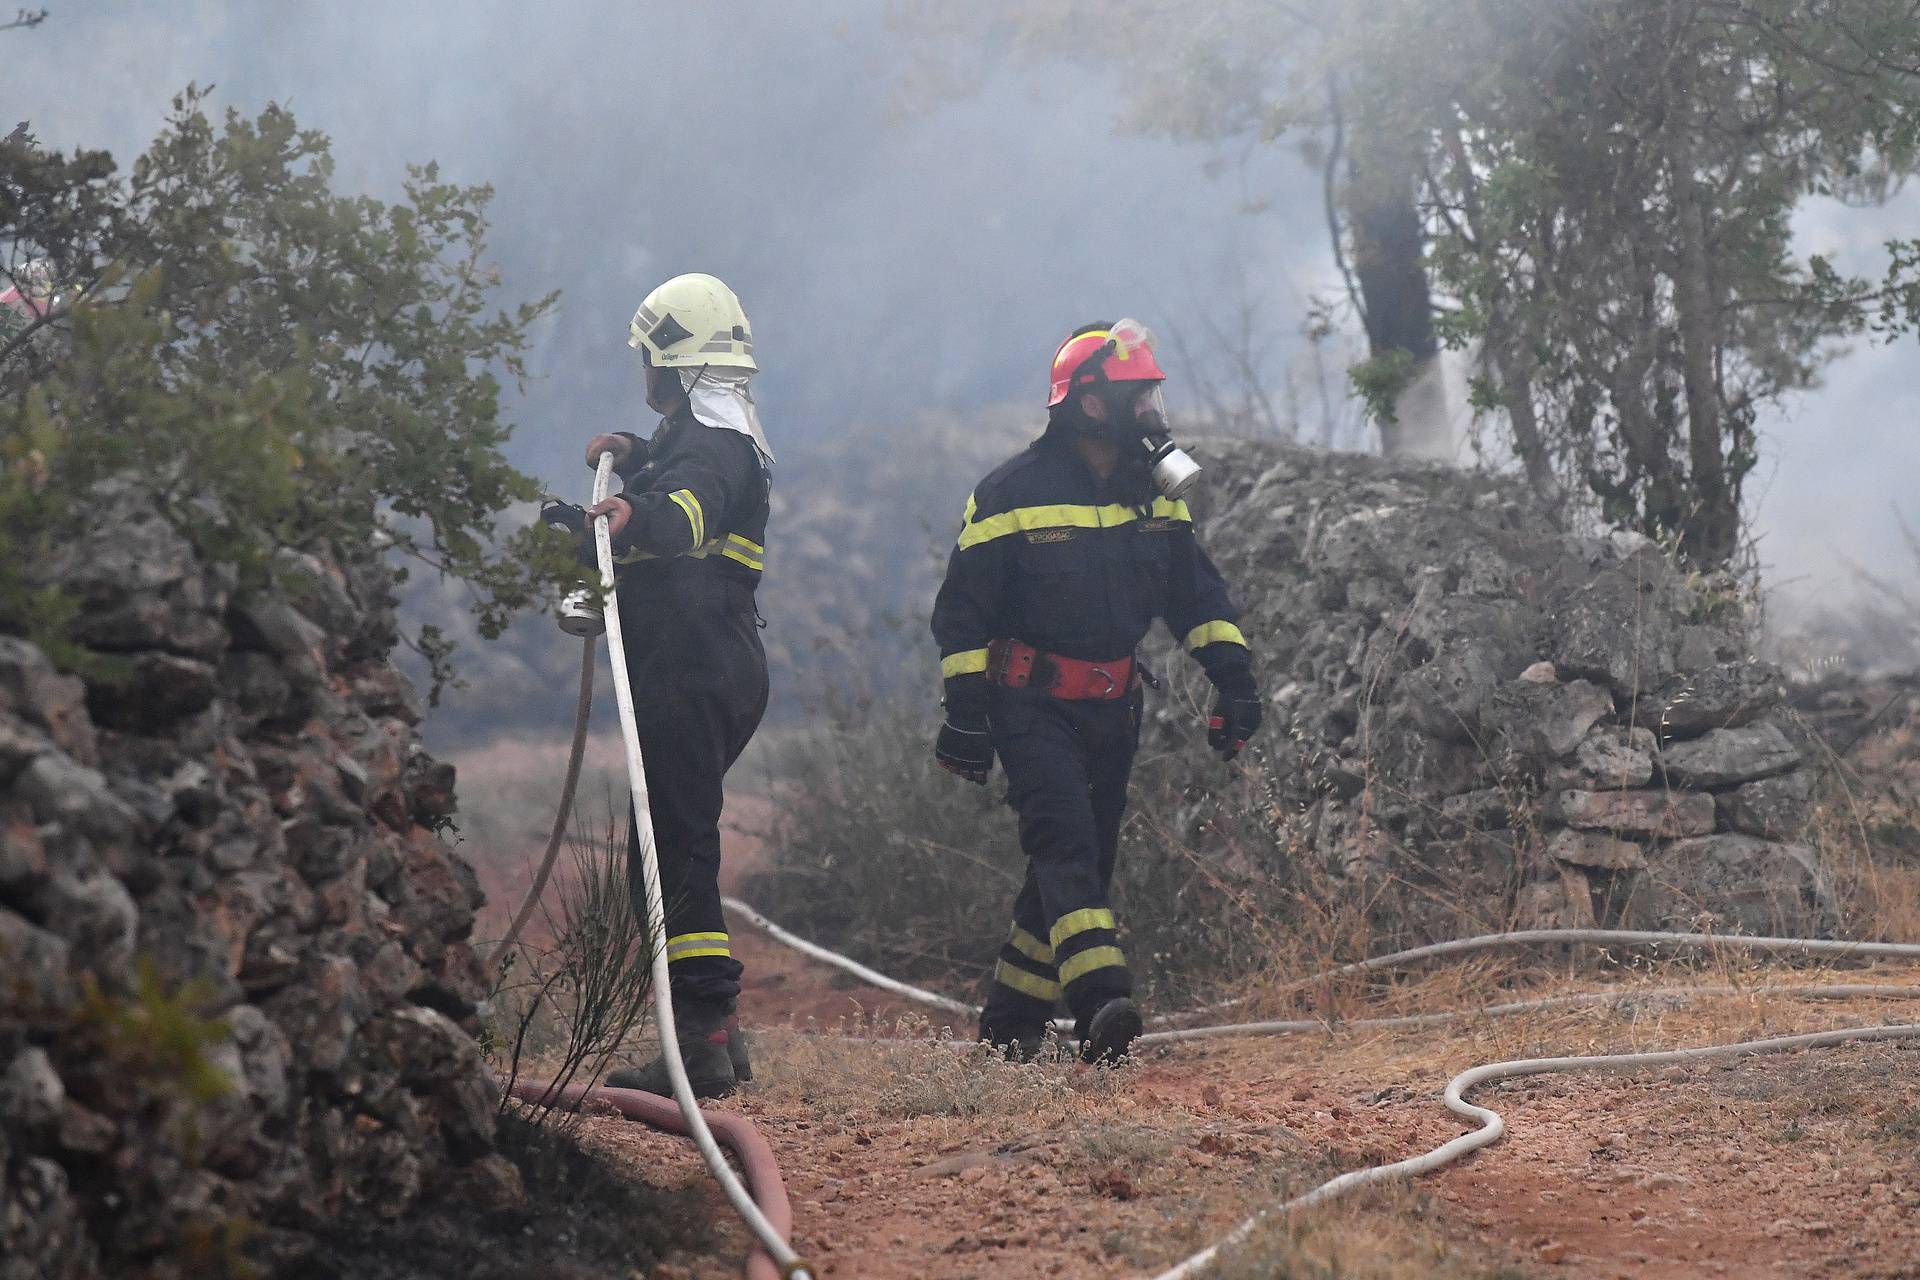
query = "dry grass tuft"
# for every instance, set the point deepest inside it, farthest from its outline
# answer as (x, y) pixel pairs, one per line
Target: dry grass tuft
(1385, 1235)
(920, 1072)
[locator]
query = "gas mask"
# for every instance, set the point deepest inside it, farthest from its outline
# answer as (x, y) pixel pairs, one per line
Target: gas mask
(1137, 413)
(1172, 469)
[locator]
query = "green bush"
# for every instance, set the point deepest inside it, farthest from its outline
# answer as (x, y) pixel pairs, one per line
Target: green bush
(272, 363)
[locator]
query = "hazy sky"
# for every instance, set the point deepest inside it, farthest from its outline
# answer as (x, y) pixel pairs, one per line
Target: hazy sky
(889, 261)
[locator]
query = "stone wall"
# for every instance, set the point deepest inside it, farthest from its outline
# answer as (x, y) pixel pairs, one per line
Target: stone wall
(1485, 722)
(238, 986)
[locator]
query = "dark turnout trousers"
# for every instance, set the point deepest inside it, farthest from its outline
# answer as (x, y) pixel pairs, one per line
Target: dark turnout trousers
(1067, 765)
(700, 687)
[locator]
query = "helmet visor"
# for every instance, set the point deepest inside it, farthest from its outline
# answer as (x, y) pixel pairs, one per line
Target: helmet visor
(1130, 336)
(1150, 409)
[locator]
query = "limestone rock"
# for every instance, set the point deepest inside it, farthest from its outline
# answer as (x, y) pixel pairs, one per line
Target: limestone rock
(1595, 849)
(69, 794)
(1486, 809)
(1613, 628)
(1609, 758)
(272, 625)
(1771, 808)
(491, 1183)
(1660, 814)
(1542, 722)
(94, 913)
(1746, 884)
(1445, 696)
(31, 1095)
(1724, 696)
(1444, 659)
(1564, 901)
(163, 688)
(37, 981)
(1722, 757)
(260, 690)
(31, 689)
(85, 1130)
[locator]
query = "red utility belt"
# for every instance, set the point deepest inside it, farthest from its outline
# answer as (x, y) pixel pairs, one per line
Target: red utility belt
(1020, 666)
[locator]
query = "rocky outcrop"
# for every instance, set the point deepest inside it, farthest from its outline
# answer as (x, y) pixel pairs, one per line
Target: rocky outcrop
(1479, 721)
(236, 992)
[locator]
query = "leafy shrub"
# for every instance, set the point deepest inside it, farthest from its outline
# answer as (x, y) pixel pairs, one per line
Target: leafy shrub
(269, 361)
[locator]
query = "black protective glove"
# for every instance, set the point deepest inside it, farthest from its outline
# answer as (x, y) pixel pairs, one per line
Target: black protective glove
(1236, 709)
(572, 519)
(964, 744)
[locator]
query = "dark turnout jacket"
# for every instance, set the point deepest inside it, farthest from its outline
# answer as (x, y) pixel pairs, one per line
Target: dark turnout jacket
(699, 496)
(1051, 555)
(688, 561)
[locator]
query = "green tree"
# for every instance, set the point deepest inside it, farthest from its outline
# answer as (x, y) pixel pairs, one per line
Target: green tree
(1611, 187)
(1591, 197)
(272, 363)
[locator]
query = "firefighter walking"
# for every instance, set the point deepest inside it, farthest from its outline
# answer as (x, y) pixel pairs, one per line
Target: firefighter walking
(1066, 555)
(688, 534)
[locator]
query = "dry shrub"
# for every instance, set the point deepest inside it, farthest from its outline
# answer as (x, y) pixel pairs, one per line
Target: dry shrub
(1386, 1235)
(1866, 824)
(924, 1072)
(568, 1006)
(1125, 1145)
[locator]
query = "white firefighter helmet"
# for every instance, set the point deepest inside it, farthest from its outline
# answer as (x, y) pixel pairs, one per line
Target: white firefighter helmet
(693, 320)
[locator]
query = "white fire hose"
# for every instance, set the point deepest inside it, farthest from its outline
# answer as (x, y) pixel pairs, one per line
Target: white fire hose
(1492, 1126)
(737, 1194)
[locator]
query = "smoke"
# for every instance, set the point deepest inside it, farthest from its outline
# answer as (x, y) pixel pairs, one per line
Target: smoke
(892, 264)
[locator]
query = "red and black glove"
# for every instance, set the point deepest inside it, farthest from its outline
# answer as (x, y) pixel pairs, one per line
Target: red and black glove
(1236, 708)
(964, 744)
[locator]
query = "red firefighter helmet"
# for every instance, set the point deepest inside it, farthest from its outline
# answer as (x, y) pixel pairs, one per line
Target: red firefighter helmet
(1121, 353)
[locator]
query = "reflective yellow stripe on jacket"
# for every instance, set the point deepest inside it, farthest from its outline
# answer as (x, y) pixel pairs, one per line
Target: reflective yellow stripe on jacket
(1056, 515)
(966, 662)
(734, 547)
(696, 518)
(1214, 632)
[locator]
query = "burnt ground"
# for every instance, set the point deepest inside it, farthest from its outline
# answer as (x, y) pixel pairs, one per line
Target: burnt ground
(581, 1218)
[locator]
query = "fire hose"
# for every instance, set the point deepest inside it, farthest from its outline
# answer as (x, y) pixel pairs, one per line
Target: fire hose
(1492, 1126)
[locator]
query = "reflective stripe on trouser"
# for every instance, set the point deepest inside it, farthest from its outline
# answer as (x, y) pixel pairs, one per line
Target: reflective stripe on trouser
(696, 705)
(1067, 766)
(1025, 967)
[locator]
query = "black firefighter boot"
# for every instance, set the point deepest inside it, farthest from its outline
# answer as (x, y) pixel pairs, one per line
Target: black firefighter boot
(1109, 1033)
(706, 1049)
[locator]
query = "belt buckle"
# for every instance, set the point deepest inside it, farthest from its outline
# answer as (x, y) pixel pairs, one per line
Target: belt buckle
(1105, 675)
(999, 657)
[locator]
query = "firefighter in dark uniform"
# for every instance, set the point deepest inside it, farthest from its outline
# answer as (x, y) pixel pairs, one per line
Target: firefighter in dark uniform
(688, 535)
(1066, 555)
